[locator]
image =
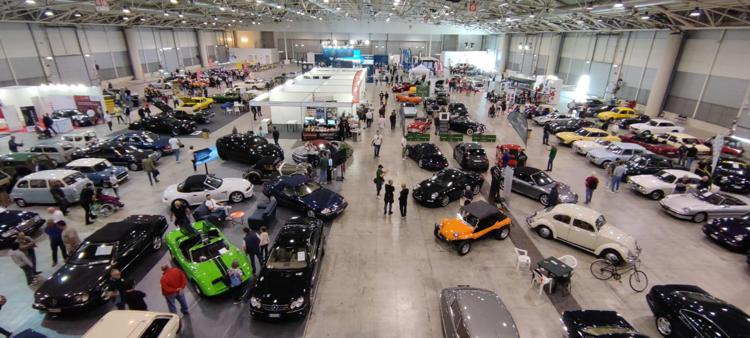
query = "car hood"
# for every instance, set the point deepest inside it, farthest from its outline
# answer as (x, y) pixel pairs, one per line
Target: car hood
(235, 183)
(322, 198)
(280, 286)
(116, 169)
(615, 234)
(563, 191)
(71, 279)
(731, 226)
(649, 181)
(600, 152)
(170, 191)
(451, 226)
(681, 201)
(12, 218)
(566, 134)
(428, 187)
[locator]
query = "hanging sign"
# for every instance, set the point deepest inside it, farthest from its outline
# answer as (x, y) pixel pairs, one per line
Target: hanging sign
(471, 6)
(101, 5)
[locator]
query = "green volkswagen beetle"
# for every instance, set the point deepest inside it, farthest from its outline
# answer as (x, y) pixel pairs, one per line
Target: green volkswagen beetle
(205, 257)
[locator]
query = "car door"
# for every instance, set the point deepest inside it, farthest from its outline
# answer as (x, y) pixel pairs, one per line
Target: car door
(561, 225)
(126, 251)
(315, 255)
(38, 192)
(458, 154)
(523, 184)
(457, 186)
(54, 154)
(195, 194)
(221, 193)
(286, 195)
(583, 234)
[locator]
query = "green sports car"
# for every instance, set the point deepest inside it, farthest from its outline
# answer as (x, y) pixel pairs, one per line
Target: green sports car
(205, 257)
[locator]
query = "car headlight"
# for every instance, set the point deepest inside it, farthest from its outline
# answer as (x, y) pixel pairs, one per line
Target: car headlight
(297, 303)
(434, 195)
(9, 233)
(254, 302)
(325, 211)
(455, 234)
(81, 297)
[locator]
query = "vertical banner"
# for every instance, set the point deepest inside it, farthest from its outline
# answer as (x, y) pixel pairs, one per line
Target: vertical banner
(716, 146)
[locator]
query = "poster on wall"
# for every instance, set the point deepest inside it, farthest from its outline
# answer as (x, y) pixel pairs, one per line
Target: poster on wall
(84, 103)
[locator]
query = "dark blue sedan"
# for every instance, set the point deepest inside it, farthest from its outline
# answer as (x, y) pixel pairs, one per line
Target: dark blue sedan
(144, 140)
(732, 233)
(301, 193)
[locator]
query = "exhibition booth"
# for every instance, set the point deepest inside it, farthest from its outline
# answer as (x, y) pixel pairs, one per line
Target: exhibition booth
(315, 101)
(22, 107)
(483, 60)
(252, 56)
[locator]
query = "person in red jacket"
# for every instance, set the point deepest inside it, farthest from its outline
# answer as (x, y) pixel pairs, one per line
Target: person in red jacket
(173, 284)
(592, 182)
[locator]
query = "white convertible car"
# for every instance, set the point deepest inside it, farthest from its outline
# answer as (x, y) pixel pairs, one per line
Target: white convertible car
(128, 323)
(662, 183)
(700, 206)
(656, 126)
(195, 188)
(583, 147)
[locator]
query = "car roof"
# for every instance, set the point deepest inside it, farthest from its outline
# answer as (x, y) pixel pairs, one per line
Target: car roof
(660, 120)
(481, 209)
(77, 133)
(126, 323)
(85, 162)
(115, 231)
(679, 173)
(50, 174)
(571, 209)
(625, 145)
(472, 145)
(55, 143)
(593, 129)
(295, 232)
(484, 313)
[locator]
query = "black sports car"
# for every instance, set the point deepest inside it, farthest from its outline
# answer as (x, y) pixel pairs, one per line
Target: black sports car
(732, 233)
(597, 323)
(81, 282)
(201, 116)
(464, 124)
(554, 127)
(471, 156)
(624, 124)
(14, 221)
(442, 98)
(246, 148)
(427, 155)
(648, 164)
(76, 117)
(117, 154)
(285, 286)
(689, 311)
(457, 108)
(304, 194)
(732, 175)
(446, 186)
(144, 140)
(164, 124)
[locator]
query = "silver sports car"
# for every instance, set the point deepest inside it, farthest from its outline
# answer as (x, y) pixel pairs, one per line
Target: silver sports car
(702, 205)
(472, 312)
(535, 183)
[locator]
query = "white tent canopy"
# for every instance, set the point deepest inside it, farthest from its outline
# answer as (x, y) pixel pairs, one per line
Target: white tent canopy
(419, 71)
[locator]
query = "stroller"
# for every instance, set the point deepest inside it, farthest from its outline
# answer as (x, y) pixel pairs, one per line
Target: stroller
(105, 205)
(42, 133)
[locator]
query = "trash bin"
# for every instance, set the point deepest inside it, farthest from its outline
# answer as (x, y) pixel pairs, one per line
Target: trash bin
(205, 133)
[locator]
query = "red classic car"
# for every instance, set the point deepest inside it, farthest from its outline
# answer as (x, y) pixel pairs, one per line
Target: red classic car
(649, 141)
(731, 146)
(413, 98)
(401, 87)
(420, 125)
(513, 151)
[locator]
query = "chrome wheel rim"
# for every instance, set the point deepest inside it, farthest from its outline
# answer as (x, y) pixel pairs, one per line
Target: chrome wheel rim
(665, 328)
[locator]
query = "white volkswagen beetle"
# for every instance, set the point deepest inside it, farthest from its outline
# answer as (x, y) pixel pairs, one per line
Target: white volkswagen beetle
(586, 229)
(195, 188)
(128, 323)
(582, 147)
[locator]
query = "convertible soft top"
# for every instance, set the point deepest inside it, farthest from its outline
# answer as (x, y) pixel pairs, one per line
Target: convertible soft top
(481, 209)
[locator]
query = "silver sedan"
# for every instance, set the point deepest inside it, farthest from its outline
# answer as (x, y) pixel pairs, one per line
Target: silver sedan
(473, 312)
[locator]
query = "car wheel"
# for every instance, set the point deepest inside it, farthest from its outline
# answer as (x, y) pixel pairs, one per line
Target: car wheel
(613, 256)
(469, 131)
(156, 243)
(605, 164)
(664, 326)
(656, 195)
(445, 201)
(174, 132)
(133, 166)
(544, 232)
(20, 202)
(501, 234)
(463, 248)
(236, 197)
(253, 177)
(700, 217)
(544, 199)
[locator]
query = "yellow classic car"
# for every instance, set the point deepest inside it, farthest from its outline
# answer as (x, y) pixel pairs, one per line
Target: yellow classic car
(679, 139)
(585, 134)
(474, 221)
(190, 104)
(618, 113)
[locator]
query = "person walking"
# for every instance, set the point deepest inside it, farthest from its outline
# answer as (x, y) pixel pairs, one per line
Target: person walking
(591, 183)
(323, 167)
(236, 276)
(70, 237)
(617, 175)
(13, 145)
(264, 242)
(148, 166)
(393, 119)
(388, 198)
(551, 158)
(690, 155)
(682, 153)
(175, 144)
(381, 122)
(252, 247)
(379, 179)
(403, 147)
(554, 195)
(402, 199)
(87, 199)
(118, 115)
(173, 283)
(3, 331)
(275, 134)
(134, 299)
(49, 123)
(368, 118)
(54, 232)
(108, 120)
(23, 262)
(377, 141)
(545, 136)
(179, 214)
(116, 289)
(27, 245)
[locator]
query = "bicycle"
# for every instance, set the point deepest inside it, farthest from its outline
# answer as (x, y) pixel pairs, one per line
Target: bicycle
(604, 269)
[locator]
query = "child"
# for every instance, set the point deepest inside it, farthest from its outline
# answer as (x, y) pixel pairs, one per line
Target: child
(235, 281)
(113, 183)
(264, 241)
(134, 298)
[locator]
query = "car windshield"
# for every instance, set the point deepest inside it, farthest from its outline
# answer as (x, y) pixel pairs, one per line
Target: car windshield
(541, 179)
(102, 165)
(653, 123)
(468, 218)
(689, 140)
(208, 252)
(613, 148)
(476, 151)
(710, 198)
(307, 188)
(443, 178)
(665, 176)
(92, 254)
(73, 178)
(214, 182)
(582, 132)
(600, 331)
(285, 258)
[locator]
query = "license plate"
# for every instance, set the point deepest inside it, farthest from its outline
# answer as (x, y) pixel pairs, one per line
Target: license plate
(274, 315)
(53, 310)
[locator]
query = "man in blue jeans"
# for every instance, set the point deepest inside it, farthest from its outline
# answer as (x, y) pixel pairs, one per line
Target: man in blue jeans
(173, 283)
(617, 175)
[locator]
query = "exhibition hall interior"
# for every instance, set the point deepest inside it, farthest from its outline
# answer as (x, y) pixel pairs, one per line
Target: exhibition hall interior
(374, 168)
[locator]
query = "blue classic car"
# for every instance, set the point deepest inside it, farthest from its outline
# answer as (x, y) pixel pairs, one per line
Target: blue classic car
(301, 193)
(98, 170)
(144, 140)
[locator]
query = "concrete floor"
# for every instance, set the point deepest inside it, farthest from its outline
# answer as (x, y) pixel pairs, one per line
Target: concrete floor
(382, 274)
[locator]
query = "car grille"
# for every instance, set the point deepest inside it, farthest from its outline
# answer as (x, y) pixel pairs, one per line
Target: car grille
(122, 175)
(275, 307)
(54, 302)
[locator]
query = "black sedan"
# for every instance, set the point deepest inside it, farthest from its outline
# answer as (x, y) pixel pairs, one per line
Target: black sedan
(648, 164)
(144, 140)
(446, 186)
(246, 148)
(81, 282)
(117, 154)
(732, 175)
(597, 323)
(76, 117)
(14, 221)
(471, 156)
(689, 311)
(464, 124)
(427, 155)
(284, 288)
(201, 116)
(164, 124)
(554, 127)
(732, 233)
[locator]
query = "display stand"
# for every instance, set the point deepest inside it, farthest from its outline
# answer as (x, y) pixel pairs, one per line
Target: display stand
(318, 133)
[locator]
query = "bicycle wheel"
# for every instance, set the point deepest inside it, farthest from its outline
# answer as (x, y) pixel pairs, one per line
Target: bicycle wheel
(638, 281)
(602, 269)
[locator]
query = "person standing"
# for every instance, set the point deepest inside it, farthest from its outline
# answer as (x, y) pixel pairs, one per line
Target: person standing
(264, 242)
(591, 182)
(506, 158)
(3, 331)
(402, 199)
(323, 167)
(275, 134)
(617, 175)
(393, 119)
(386, 98)
(13, 145)
(23, 262)
(368, 118)
(56, 214)
(545, 136)
(388, 198)
(116, 288)
(691, 154)
(148, 166)
(377, 141)
(381, 122)
(235, 281)
(682, 153)
(70, 237)
(48, 123)
(436, 122)
(86, 200)
(252, 247)
(108, 120)
(27, 245)
(173, 282)
(118, 115)
(134, 298)
(403, 147)
(379, 179)
(54, 232)
(554, 195)
(551, 158)
(175, 144)
(114, 183)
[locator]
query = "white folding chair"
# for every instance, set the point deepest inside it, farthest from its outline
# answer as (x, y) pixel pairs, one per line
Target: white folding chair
(541, 280)
(569, 261)
(522, 257)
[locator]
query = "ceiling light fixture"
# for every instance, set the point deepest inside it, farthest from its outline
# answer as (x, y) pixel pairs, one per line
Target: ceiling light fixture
(531, 15)
(589, 6)
(184, 21)
(126, 10)
(48, 12)
(174, 2)
(645, 16)
(143, 19)
(30, 2)
(696, 12)
(388, 20)
(205, 23)
(618, 4)
(77, 14)
(222, 8)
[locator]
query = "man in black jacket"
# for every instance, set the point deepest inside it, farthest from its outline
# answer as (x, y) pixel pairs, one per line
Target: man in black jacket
(48, 123)
(252, 247)
(59, 196)
(87, 199)
(402, 197)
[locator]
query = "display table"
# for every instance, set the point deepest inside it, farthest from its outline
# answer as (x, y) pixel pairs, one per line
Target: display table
(318, 134)
(62, 126)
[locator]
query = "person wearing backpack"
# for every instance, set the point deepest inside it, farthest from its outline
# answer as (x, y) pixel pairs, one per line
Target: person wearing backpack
(235, 281)
(591, 183)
